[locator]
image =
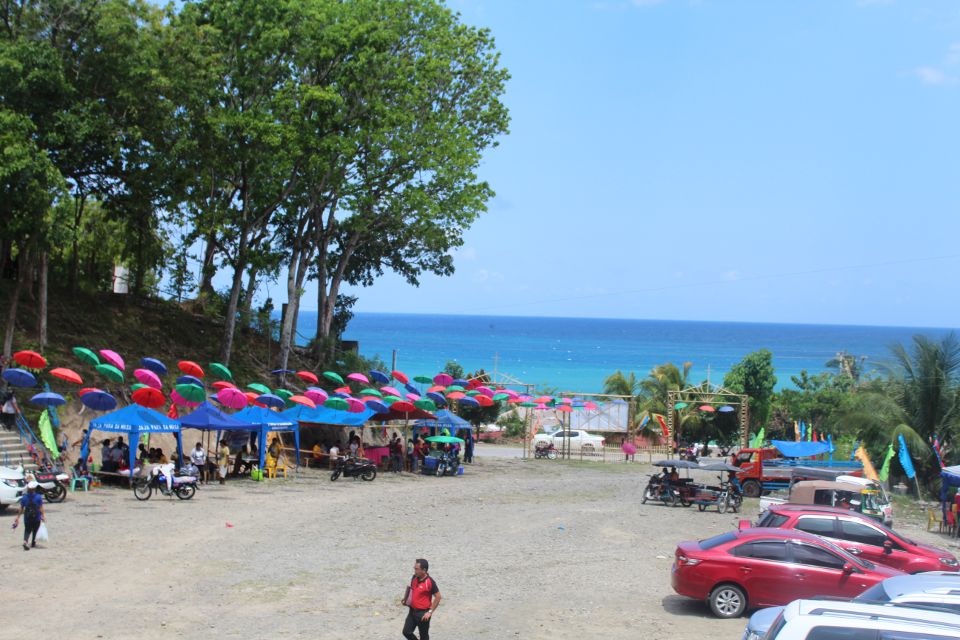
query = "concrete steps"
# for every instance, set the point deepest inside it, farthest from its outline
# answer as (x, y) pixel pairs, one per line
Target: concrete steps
(12, 449)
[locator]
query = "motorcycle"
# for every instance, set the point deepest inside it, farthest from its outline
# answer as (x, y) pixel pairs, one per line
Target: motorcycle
(52, 481)
(545, 450)
(184, 487)
(353, 468)
(448, 464)
(668, 494)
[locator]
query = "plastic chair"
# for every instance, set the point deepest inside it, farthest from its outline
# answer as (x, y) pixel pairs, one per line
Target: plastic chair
(933, 518)
(951, 523)
(271, 466)
(84, 481)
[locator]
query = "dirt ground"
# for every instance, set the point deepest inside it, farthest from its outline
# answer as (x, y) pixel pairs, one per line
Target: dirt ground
(519, 549)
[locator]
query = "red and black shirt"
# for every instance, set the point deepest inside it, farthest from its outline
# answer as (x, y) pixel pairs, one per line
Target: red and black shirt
(421, 592)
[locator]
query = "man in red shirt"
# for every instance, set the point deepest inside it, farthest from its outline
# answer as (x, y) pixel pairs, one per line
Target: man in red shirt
(423, 598)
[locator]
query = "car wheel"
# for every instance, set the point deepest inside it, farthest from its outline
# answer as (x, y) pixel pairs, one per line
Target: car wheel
(723, 503)
(751, 489)
(728, 601)
(647, 495)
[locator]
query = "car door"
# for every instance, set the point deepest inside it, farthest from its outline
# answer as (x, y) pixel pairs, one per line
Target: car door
(819, 572)
(866, 541)
(762, 567)
(558, 438)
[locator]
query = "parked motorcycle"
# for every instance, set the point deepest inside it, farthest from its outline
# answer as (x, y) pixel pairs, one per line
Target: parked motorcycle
(545, 450)
(448, 464)
(353, 468)
(668, 494)
(52, 481)
(183, 486)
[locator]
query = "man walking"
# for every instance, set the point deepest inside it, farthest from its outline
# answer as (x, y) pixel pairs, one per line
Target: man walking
(422, 598)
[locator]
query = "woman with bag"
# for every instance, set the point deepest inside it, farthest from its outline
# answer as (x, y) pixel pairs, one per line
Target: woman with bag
(31, 508)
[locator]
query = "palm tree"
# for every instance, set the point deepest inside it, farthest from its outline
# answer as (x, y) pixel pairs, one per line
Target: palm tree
(662, 379)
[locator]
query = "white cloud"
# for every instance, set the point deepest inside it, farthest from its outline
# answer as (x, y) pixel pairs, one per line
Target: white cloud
(930, 75)
(730, 276)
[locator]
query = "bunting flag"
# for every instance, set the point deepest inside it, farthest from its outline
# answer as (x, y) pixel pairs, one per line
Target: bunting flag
(663, 426)
(46, 434)
(803, 431)
(830, 442)
(904, 458)
(757, 440)
(869, 471)
(644, 422)
(173, 412)
(936, 450)
(853, 452)
(885, 469)
(796, 430)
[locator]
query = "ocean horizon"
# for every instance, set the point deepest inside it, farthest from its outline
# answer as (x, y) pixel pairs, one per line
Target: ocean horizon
(576, 354)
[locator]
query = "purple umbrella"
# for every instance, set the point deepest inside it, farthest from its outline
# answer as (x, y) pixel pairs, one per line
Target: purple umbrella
(270, 400)
(379, 376)
(376, 405)
(195, 381)
(467, 401)
(437, 398)
(154, 365)
(48, 399)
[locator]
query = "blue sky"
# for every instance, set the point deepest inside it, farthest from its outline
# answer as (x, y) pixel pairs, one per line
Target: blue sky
(714, 160)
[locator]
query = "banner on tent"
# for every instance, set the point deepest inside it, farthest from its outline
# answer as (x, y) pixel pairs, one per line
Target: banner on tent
(142, 428)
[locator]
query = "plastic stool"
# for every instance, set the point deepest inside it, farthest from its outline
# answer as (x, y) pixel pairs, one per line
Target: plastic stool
(83, 480)
(272, 471)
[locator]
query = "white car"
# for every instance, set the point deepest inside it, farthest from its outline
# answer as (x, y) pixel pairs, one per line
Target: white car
(823, 619)
(579, 440)
(11, 487)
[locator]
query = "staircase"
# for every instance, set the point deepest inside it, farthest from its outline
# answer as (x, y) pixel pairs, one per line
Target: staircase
(13, 449)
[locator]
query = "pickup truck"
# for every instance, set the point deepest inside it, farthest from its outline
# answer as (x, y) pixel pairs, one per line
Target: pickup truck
(768, 469)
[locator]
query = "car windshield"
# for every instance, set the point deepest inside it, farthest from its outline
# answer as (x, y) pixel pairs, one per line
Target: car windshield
(710, 543)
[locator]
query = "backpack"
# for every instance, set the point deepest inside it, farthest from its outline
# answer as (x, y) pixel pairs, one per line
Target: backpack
(31, 510)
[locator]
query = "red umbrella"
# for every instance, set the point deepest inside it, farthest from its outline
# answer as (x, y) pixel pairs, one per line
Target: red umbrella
(67, 374)
(30, 360)
(565, 408)
(402, 406)
(456, 395)
(472, 384)
(223, 384)
(305, 401)
(190, 368)
(483, 400)
(252, 398)
(308, 376)
(543, 399)
(149, 397)
(232, 398)
(346, 390)
(148, 378)
(400, 377)
(437, 388)
(113, 358)
(87, 390)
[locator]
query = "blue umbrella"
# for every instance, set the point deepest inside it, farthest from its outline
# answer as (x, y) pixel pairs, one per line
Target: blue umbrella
(379, 376)
(412, 389)
(280, 372)
(270, 400)
(460, 381)
(340, 394)
(154, 365)
(20, 378)
(725, 409)
(437, 398)
(48, 399)
(376, 405)
(197, 382)
(467, 401)
(99, 400)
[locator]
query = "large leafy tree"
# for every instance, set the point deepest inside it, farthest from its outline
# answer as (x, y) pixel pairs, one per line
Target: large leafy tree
(754, 376)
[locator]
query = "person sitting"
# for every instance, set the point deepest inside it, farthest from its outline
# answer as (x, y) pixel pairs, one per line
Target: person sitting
(106, 457)
(273, 453)
(318, 452)
(674, 476)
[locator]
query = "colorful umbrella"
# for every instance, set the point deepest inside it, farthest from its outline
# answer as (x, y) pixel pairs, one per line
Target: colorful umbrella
(180, 401)
(190, 368)
(461, 382)
(725, 409)
(483, 400)
(423, 379)
(270, 400)
(355, 406)
(308, 376)
(379, 377)
(388, 400)
(262, 388)
(439, 388)
(332, 376)
(191, 392)
(358, 377)
(221, 371)
(48, 399)
(680, 405)
(232, 398)
(455, 387)
(195, 381)
(445, 439)
(66, 374)
(425, 404)
(528, 404)
(305, 401)
(706, 407)
(87, 390)
(99, 400)
(112, 357)
(282, 372)
(154, 365)
(400, 377)
(443, 379)
(467, 401)
(148, 377)
(219, 385)
(252, 398)
(402, 406)
(498, 397)
(149, 397)
(30, 360)
(283, 393)
(377, 406)
(110, 372)
(413, 397)
(472, 393)
(86, 355)
(565, 408)
(336, 403)
(390, 391)
(319, 396)
(437, 398)
(137, 385)
(371, 392)
(487, 391)
(456, 395)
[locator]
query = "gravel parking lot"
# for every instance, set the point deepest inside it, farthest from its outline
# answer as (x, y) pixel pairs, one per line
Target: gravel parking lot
(520, 549)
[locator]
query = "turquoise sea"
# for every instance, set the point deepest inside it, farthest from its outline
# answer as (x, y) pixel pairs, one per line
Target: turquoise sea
(576, 354)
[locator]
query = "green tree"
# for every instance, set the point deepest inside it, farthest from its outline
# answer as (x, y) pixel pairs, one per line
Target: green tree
(454, 369)
(754, 376)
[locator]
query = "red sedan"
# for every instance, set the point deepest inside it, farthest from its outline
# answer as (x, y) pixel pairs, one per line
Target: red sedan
(861, 536)
(768, 567)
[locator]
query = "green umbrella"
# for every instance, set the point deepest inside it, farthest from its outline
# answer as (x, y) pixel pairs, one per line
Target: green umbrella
(283, 393)
(473, 392)
(221, 371)
(192, 392)
(86, 355)
(528, 404)
(455, 387)
(333, 377)
(260, 388)
(136, 386)
(680, 405)
(425, 404)
(445, 439)
(500, 396)
(388, 400)
(423, 379)
(336, 403)
(371, 392)
(110, 372)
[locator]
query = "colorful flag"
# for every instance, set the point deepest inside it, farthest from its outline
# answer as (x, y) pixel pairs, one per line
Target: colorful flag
(46, 434)
(663, 426)
(645, 420)
(905, 460)
(173, 412)
(936, 450)
(803, 431)
(830, 443)
(757, 440)
(885, 469)
(868, 470)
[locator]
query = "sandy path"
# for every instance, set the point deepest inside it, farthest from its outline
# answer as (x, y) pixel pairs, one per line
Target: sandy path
(520, 550)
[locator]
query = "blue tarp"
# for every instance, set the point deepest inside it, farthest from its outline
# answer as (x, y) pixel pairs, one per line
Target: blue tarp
(445, 419)
(209, 418)
(135, 420)
(266, 420)
(800, 449)
(323, 415)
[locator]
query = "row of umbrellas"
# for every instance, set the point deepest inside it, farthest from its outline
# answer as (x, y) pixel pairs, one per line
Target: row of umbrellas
(705, 407)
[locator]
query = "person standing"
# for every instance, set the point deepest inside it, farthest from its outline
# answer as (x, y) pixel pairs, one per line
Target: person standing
(422, 599)
(223, 459)
(31, 508)
(8, 409)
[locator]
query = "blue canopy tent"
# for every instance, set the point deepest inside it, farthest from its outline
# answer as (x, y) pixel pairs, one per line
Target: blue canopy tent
(135, 420)
(264, 420)
(207, 417)
(445, 419)
(325, 415)
(800, 449)
(949, 477)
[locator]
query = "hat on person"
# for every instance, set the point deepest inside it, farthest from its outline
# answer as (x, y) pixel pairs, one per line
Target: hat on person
(32, 484)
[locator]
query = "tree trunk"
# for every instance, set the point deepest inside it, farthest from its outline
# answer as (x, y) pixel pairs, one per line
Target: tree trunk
(230, 322)
(74, 280)
(42, 307)
(5, 246)
(23, 261)
(250, 292)
(208, 269)
(295, 277)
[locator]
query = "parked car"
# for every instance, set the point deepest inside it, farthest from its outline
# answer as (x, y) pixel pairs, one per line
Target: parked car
(861, 536)
(11, 486)
(854, 620)
(760, 622)
(579, 440)
(765, 567)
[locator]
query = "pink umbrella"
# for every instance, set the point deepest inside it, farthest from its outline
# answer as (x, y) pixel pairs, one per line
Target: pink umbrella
(437, 388)
(390, 391)
(412, 397)
(629, 449)
(355, 406)
(456, 395)
(566, 400)
(590, 406)
(541, 407)
(113, 358)
(359, 377)
(706, 407)
(443, 379)
(233, 398)
(181, 401)
(305, 401)
(319, 396)
(487, 391)
(148, 378)
(564, 408)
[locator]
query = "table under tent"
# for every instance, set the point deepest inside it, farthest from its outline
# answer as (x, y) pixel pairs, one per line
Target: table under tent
(135, 420)
(264, 420)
